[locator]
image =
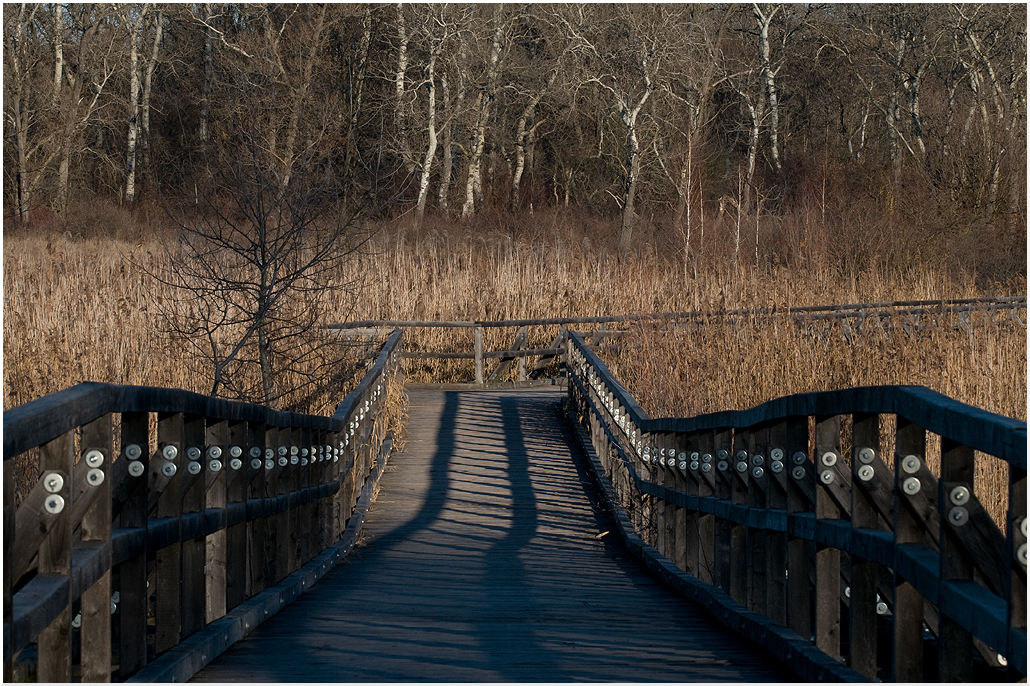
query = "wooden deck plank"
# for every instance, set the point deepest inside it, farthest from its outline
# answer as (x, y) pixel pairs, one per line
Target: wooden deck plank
(484, 558)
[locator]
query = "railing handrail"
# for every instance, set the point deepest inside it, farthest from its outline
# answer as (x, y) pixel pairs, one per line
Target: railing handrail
(1001, 436)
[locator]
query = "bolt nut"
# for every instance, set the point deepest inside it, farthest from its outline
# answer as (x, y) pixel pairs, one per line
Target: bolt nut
(95, 477)
(741, 467)
(959, 495)
(255, 451)
(958, 516)
(303, 462)
(54, 504)
(294, 459)
(235, 463)
(193, 453)
(847, 591)
(776, 454)
(827, 477)
(799, 458)
(741, 454)
(706, 467)
(722, 454)
(294, 450)
(53, 482)
(1002, 660)
(169, 452)
(881, 608)
(214, 452)
(723, 465)
(255, 463)
(758, 472)
(866, 472)
(269, 464)
(194, 468)
(911, 485)
(798, 473)
(829, 458)
(866, 455)
(215, 465)
(1021, 554)
(776, 467)
(168, 469)
(758, 460)
(136, 468)
(94, 458)
(269, 453)
(707, 457)
(133, 452)
(910, 464)
(283, 461)
(694, 465)
(235, 451)
(303, 452)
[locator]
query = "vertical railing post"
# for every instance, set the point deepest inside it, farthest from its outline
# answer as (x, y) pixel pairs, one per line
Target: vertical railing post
(739, 487)
(865, 450)
(132, 604)
(778, 471)
(827, 564)
(479, 354)
(800, 483)
(1016, 541)
(758, 540)
(723, 526)
(95, 603)
(706, 485)
(168, 570)
(236, 535)
(216, 453)
(256, 528)
(909, 442)
(55, 555)
(193, 589)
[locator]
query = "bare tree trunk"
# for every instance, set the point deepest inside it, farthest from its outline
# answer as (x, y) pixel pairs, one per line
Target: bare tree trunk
(21, 116)
(204, 127)
(135, 29)
(628, 211)
(448, 154)
(402, 67)
(769, 79)
(483, 103)
(148, 80)
(427, 163)
(300, 98)
(894, 107)
(58, 53)
(524, 137)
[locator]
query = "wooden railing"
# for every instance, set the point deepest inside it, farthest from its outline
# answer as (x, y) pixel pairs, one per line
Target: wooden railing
(158, 511)
(905, 314)
(808, 524)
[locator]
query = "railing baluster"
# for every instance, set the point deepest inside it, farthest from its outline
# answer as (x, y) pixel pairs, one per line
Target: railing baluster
(757, 540)
(723, 444)
(777, 469)
(55, 555)
(168, 609)
(95, 605)
(799, 550)
(1016, 541)
(910, 441)
(827, 584)
(213, 461)
(255, 490)
(236, 466)
(865, 450)
(132, 574)
(193, 589)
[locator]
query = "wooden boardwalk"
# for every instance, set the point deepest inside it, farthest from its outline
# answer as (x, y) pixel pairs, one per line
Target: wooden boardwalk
(485, 559)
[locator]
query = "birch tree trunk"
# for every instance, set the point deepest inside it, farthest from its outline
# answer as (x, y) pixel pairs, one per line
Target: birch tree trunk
(148, 80)
(135, 29)
(300, 98)
(448, 154)
(524, 138)
(483, 105)
(769, 79)
(20, 115)
(401, 114)
(204, 126)
(427, 162)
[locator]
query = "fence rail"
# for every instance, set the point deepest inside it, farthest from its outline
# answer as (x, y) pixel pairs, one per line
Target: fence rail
(198, 505)
(796, 514)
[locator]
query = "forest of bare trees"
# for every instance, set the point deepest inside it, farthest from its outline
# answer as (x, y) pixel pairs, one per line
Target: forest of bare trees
(680, 118)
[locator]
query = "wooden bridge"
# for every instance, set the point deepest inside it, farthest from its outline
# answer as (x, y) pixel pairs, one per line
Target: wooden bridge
(544, 533)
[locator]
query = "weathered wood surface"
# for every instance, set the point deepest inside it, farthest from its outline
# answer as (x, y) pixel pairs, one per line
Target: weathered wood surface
(485, 560)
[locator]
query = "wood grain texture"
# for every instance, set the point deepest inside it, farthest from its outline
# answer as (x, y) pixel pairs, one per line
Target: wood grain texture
(489, 557)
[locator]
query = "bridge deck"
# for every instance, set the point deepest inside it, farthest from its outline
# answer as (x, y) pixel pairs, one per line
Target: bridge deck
(482, 561)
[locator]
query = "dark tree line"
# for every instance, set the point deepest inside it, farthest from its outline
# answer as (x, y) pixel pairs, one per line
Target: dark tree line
(624, 111)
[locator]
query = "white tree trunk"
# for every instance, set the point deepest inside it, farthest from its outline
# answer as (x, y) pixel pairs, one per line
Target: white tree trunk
(401, 112)
(148, 80)
(769, 79)
(483, 104)
(135, 28)
(427, 162)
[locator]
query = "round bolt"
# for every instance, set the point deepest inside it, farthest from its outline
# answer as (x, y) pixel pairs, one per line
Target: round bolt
(169, 452)
(214, 452)
(706, 467)
(758, 472)
(881, 608)
(1022, 526)
(722, 454)
(741, 454)
(215, 465)
(829, 458)
(53, 482)
(958, 516)
(77, 622)
(670, 461)
(116, 597)
(911, 485)
(193, 453)
(194, 468)
(54, 504)
(95, 476)
(133, 452)
(694, 464)
(647, 456)
(255, 451)
(1021, 554)
(683, 465)
(776, 467)
(283, 450)
(866, 455)
(723, 465)
(303, 462)
(799, 458)
(866, 472)
(269, 464)
(136, 468)
(235, 463)
(294, 450)
(798, 473)
(294, 459)
(283, 461)
(269, 453)
(303, 452)
(235, 451)
(94, 458)
(168, 469)
(114, 607)
(827, 477)
(776, 454)
(741, 467)
(847, 591)
(959, 495)
(683, 456)
(758, 460)
(693, 456)
(1002, 660)
(707, 457)
(255, 463)
(910, 464)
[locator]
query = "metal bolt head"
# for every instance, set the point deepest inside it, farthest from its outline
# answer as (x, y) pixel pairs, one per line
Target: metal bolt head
(799, 458)
(723, 465)
(95, 477)
(1002, 660)
(776, 467)
(294, 450)
(235, 463)
(255, 463)
(958, 516)
(255, 451)
(214, 452)
(269, 453)
(53, 482)
(758, 460)
(847, 591)
(911, 485)
(694, 465)
(881, 608)
(283, 450)
(54, 504)
(829, 458)
(1022, 526)
(722, 454)
(959, 495)
(707, 457)
(866, 472)
(758, 472)
(294, 459)
(866, 455)
(303, 452)
(269, 464)
(776, 454)
(133, 452)
(194, 468)
(136, 468)
(168, 469)
(283, 461)
(741, 454)
(193, 452)
(798, 473)
(77, 622)
(646, 456)
(706, 467)
(215, 465)
(235, 451)
(94, 458)
(910, 464)
(827, 476)
(169, 452)
(303, 462)
(741, 467)
(1021, 554)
